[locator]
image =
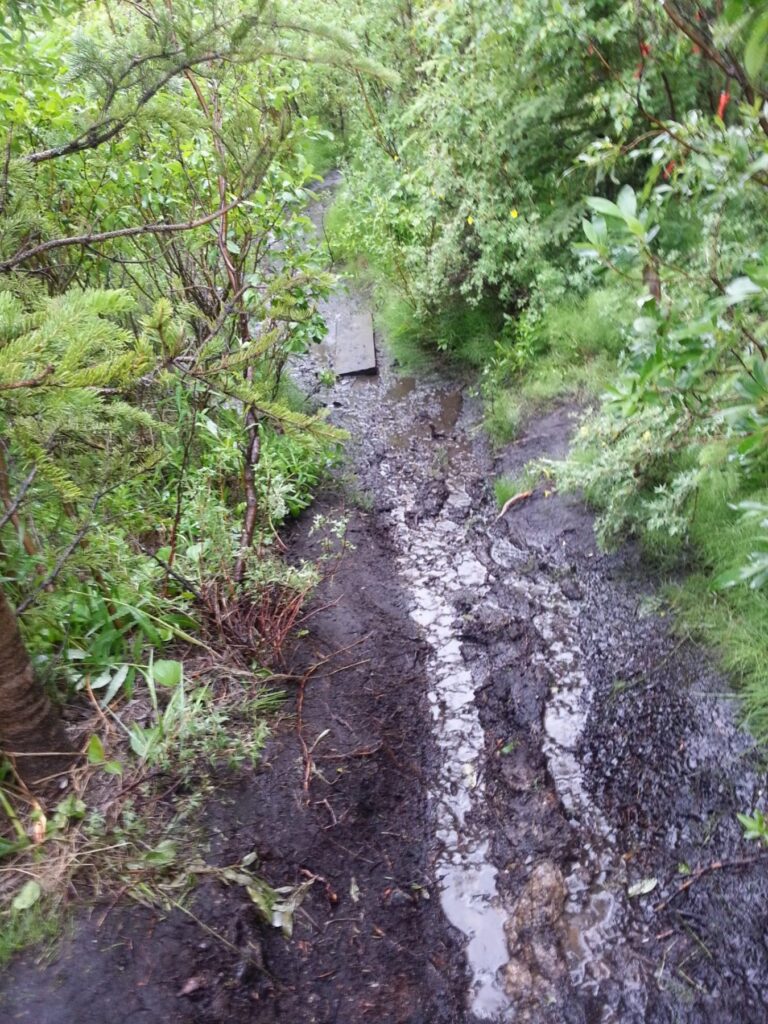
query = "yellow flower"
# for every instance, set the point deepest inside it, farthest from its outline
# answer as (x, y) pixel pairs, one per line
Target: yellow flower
(470, 219)
(513, 213)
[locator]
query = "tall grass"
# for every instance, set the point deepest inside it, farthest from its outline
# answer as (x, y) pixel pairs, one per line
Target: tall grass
(322, 153)
(568, 351)
(461, 336)
(733, 621)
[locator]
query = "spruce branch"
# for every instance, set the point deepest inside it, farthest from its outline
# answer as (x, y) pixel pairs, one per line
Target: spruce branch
(101, 132)
(16, 502)
(94, 238)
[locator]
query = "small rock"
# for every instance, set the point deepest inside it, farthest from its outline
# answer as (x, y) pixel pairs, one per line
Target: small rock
(459, 499)
(192, 985)
(472, 573)
(541, 902)
(572, 590)
(507, 555)
(398, 898)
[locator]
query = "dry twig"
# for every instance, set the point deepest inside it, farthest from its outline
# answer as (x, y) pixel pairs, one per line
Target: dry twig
(512, 501)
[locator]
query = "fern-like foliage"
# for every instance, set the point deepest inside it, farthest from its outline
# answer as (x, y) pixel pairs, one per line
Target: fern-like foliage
(65, 365)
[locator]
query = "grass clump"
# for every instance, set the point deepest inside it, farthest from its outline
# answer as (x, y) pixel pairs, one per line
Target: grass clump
(461, 335)
(684, 510)
(39, 925)
(735, 623)
(504, 411)
(570, 350)
(506, 487)
(733, 619)
(321, 151)
(405, 338)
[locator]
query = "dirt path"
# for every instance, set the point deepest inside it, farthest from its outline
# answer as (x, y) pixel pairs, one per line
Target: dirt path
(504, 740)
(581, 748)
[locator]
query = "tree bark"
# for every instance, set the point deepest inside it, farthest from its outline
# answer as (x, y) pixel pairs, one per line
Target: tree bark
(29, 723)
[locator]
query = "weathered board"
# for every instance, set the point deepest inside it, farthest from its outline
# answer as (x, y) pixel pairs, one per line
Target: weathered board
(353, 350)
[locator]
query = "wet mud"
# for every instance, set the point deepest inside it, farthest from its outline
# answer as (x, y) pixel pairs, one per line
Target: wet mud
(369, 942)
(523, 784)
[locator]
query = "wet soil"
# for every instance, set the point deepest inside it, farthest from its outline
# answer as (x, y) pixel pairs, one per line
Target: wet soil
(507, 738)
(368, 941)
(642, 752)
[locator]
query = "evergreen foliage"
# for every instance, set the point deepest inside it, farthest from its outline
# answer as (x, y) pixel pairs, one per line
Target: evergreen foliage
(157, 274)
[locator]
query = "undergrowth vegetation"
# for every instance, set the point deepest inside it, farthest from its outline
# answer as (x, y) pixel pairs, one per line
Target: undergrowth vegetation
(569, 200)
(158, 273)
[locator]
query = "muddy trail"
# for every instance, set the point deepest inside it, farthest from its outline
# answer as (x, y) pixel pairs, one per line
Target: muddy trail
(511, 786)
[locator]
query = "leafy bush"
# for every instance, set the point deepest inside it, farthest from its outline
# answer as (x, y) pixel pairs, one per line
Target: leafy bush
(467, 185)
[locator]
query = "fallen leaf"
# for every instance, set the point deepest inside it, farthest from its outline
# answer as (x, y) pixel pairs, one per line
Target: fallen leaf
(27, 896)
(192, 985)
(354, 890)
(39, 828)
(513, 501)
(643, 887)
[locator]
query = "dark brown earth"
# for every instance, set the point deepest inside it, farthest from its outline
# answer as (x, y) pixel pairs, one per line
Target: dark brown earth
(575, 812)
(368, 943)
(666, 764)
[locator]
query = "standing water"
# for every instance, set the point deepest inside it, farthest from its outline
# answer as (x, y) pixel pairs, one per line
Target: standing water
(435, 565)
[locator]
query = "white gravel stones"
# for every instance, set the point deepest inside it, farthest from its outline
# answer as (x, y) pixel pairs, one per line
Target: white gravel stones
(436, 559)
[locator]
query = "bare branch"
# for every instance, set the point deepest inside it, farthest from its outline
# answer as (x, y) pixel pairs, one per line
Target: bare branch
(105, 236)
(15, 505)
(107, 129)
(31, 382)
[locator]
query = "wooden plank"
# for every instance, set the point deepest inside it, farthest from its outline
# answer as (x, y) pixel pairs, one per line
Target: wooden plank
(353, 347)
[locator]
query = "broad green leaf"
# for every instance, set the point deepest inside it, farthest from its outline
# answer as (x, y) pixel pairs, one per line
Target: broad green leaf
(733, 10)
(605, 206)
(730, 578)
(95, 751)
(116, 684)
(166, 672)
(590, 232)
(627, 201)
(756, 50)
(27, 896)
(635, 226)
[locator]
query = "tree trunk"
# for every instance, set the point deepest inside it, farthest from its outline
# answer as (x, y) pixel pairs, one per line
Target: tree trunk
(29, 723)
